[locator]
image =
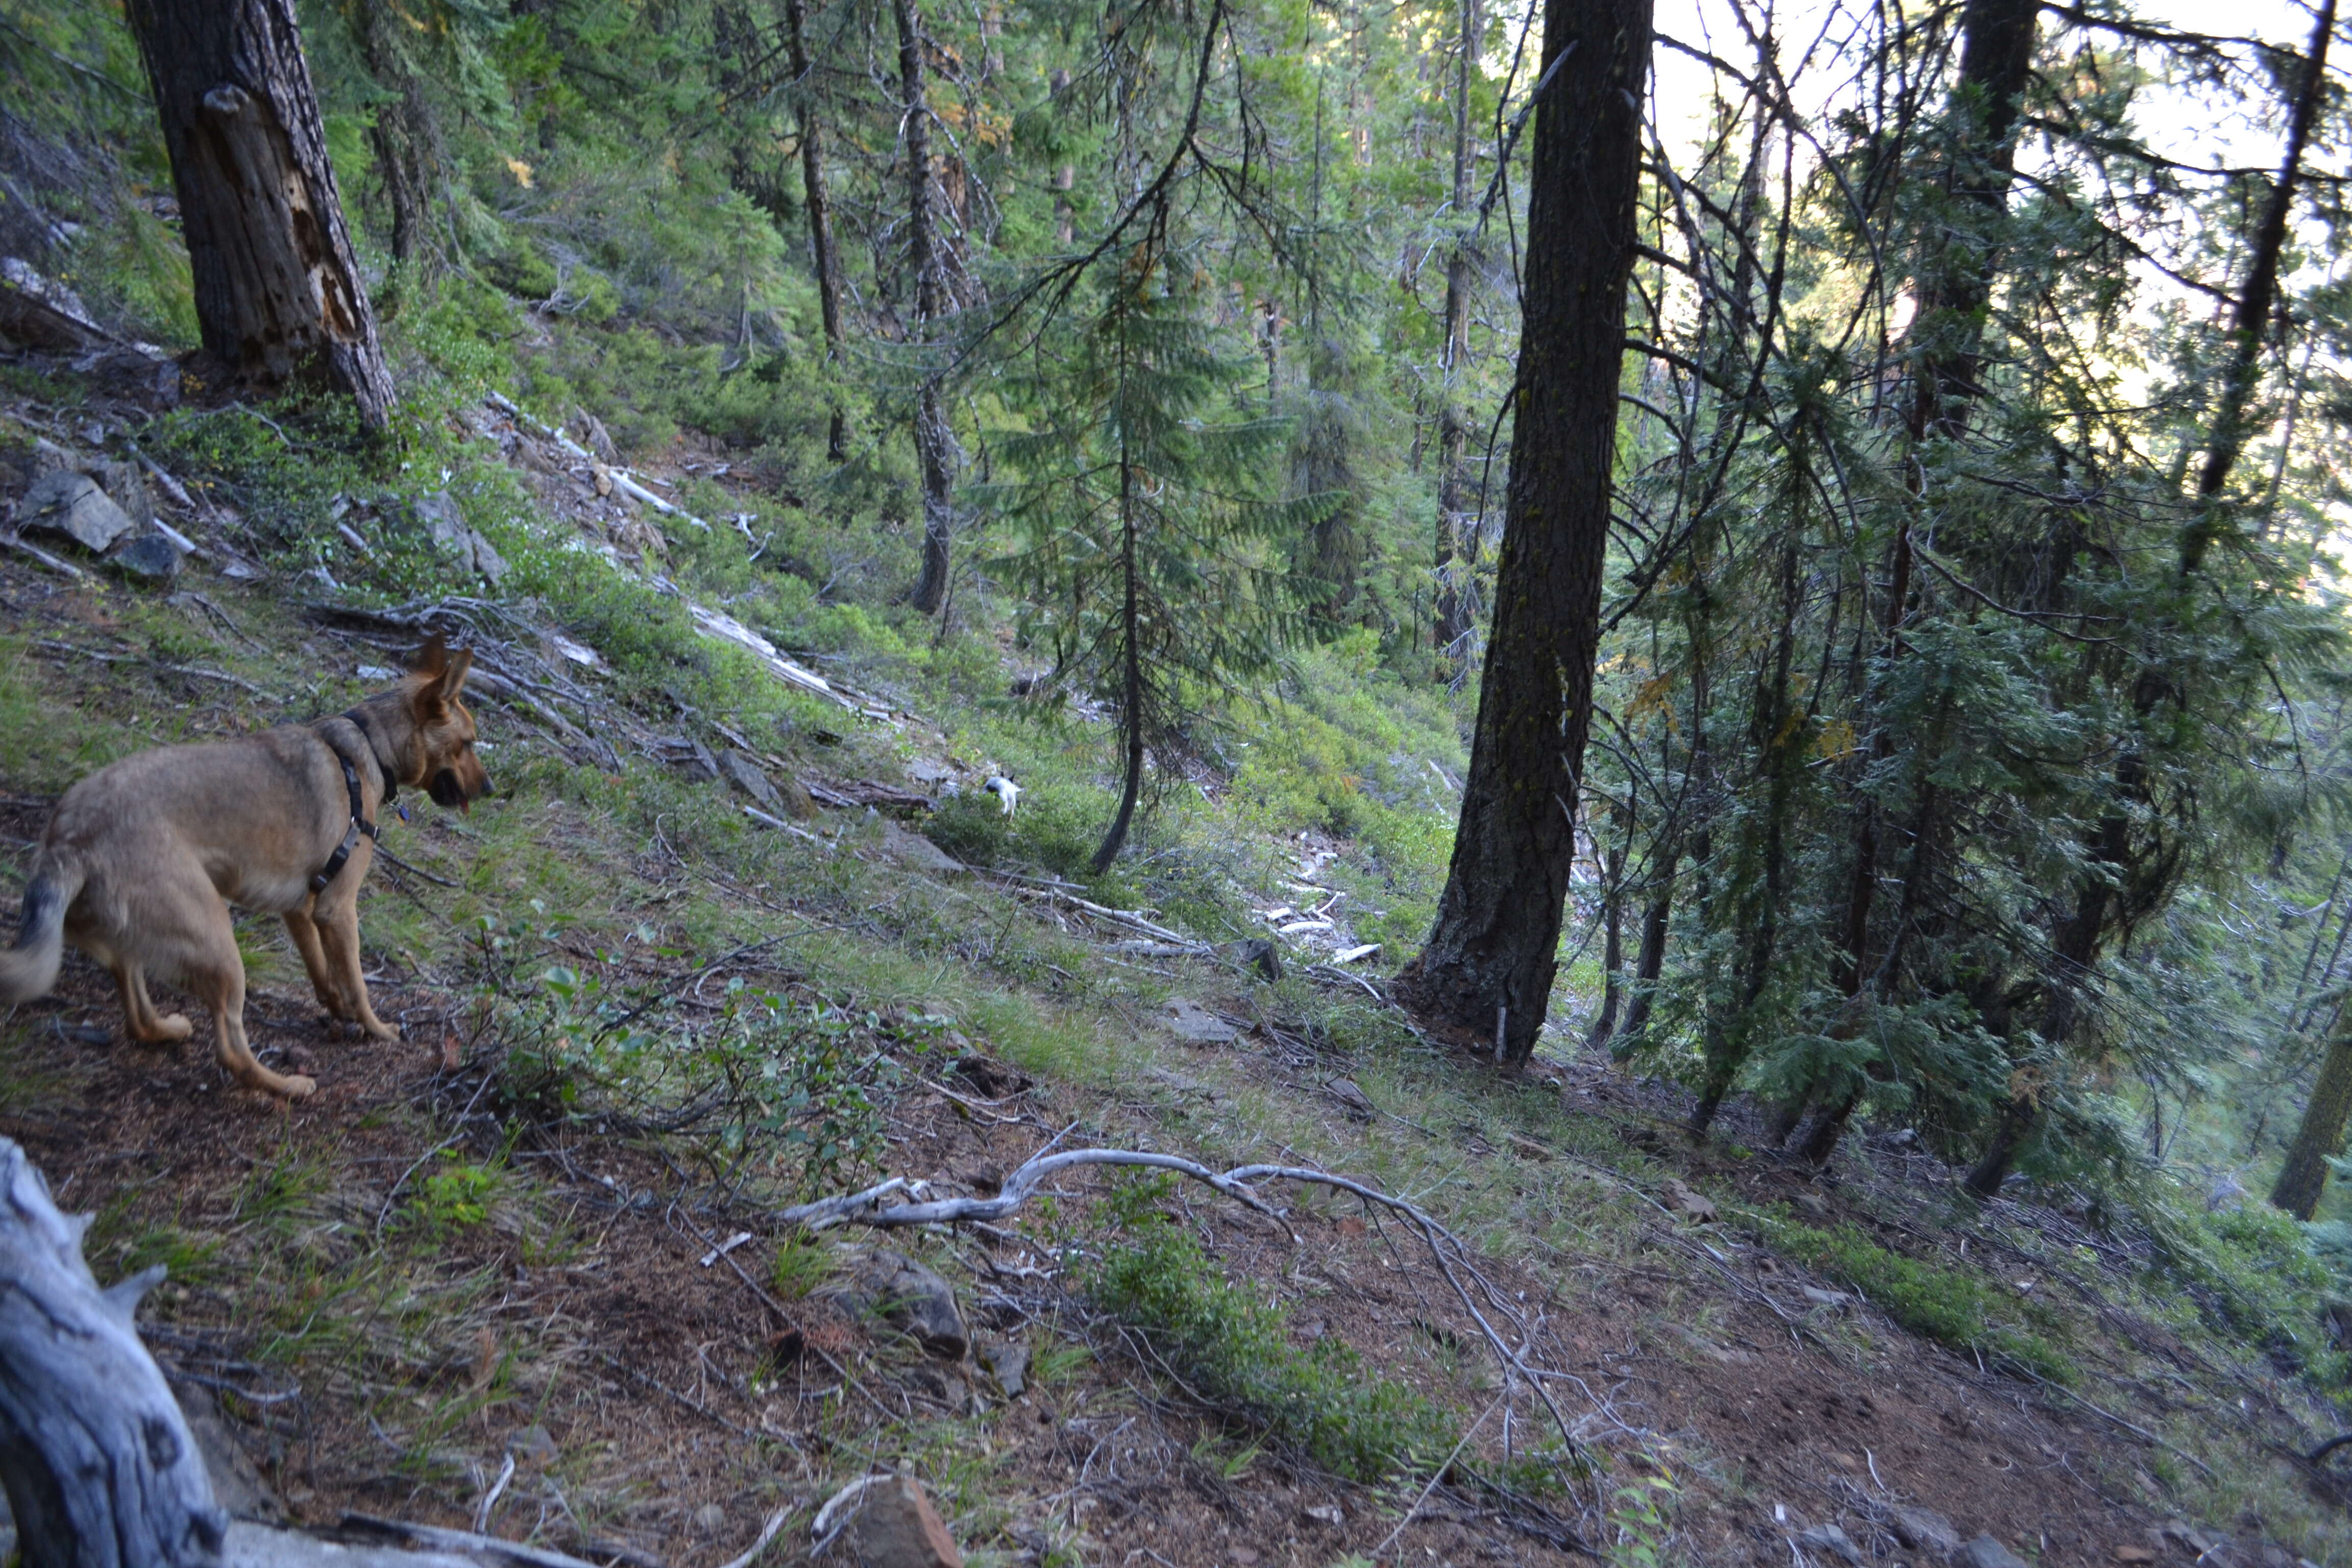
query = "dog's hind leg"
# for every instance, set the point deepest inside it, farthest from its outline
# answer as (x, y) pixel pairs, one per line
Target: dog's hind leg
(305, 932)
(140, 1018)
(217, 974)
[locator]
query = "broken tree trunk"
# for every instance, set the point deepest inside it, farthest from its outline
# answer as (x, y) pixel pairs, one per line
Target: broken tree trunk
(278, 294)
(99, 1468)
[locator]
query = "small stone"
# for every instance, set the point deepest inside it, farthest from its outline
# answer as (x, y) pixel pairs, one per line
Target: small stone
(1694, 1206)
(1244, 1556)
(1837, 1299)
(1195, 1025)
(1831, 1539)
(532, 1446)
(1985, 1551)
(798, 804)
(1257, 954)
(72, 504)
(448, 529)
(1925, 1529)
(896, 1527)
(1007, 1361)
(1325, 1514)
(2134, 1554)
(148, 556)
(710, 1519)
(1350, 1093)
(910, 1297)
(745, 774)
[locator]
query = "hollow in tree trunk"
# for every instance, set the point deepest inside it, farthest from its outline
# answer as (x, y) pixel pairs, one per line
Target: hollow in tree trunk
(1494, 950)
(277, 295)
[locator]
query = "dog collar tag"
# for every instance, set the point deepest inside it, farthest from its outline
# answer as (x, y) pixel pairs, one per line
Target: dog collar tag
(403, 812)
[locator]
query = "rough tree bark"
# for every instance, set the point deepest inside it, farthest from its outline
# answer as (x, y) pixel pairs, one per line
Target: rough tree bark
(2250, 320)
(1612, 945)
(99, 1468)
(816, 195)
(935, 448)
(1488, 966)
(277, 295)
(1452, 422)
(2321, 1136)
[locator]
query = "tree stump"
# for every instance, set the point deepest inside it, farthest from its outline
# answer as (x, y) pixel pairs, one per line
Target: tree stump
(98, 1465)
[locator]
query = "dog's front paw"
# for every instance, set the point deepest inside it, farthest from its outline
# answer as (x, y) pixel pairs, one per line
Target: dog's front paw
(377, 1029)
(172, 1028)
(297, 1086)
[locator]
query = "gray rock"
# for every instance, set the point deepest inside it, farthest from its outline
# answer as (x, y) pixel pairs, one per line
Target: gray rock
(1828, 1538)
(1195, 1025)
(896, 1527)
(1985, 1551)
(449, 530)
(1007, 1361)
(745, 774)
(910, 1297)
(1256, 952)
(710, 1519)
(917, 852)
(148, 556)
(1925, 1529)
(532, 1445)
(72, 504)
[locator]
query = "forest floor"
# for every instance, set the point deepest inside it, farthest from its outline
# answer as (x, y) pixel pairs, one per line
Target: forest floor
(448, 1260)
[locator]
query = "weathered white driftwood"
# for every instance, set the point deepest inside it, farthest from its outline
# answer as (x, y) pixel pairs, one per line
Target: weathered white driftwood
(98, 1465)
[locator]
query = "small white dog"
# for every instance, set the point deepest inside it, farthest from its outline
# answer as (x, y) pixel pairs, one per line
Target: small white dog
(1007, 793)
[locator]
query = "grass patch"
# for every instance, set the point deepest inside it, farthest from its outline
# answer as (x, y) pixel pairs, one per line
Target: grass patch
(1232, 1348)
(1941, 1304)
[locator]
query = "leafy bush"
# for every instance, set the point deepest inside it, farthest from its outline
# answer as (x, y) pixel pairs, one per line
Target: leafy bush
(1230, 1346)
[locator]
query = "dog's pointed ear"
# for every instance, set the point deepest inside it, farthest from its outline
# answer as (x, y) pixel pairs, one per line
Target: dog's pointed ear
(453, 678)
(432, 659)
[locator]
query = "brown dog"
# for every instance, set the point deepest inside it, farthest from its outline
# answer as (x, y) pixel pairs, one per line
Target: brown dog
(137, 861)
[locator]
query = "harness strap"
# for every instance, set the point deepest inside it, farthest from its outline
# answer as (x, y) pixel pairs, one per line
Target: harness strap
(360, 825)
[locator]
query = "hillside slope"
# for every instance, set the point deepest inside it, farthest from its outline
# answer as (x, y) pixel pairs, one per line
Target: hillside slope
(640, 1019)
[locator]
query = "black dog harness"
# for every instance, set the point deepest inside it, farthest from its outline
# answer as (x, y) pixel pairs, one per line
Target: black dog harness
(360, 825)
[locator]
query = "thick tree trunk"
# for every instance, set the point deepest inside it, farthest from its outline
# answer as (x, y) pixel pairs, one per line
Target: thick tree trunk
(935, 447)
(1494, 947)
(1065, 176)
(2250, 322)
(816, 196)
(2321, 1137)
(1452, 422)
(99, 1467)
(279, 296)
(1131, 715)
(1955, 286)
(405, 137)
(1649, 964)
(1612, 947)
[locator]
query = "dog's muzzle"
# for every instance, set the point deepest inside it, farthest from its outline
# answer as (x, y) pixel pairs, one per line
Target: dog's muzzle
(446, 790)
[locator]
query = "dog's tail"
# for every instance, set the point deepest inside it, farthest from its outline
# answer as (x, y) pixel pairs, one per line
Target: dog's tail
(29, 968)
